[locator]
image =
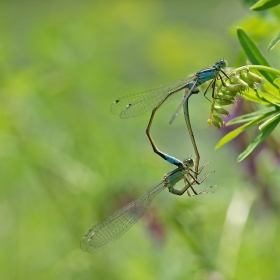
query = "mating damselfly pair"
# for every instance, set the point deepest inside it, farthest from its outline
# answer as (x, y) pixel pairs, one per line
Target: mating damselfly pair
(134, 105)
(139, 103)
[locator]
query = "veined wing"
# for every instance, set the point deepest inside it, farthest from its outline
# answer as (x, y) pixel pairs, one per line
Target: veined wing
(113, 227)
(139, 103)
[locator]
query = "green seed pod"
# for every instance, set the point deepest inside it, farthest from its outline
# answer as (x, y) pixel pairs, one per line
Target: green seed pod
(209, 121)
(235, 87)
(248, 81)
(255, 78)
(228, 92)
(222, 96)
(218, 119)
(224, 102)
(216, 124)
(237, 80)
(221, 110)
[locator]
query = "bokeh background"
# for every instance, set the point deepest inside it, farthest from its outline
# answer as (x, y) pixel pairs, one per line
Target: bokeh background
(67, 162)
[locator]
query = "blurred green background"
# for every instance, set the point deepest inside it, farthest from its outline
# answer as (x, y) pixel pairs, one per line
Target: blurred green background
(67, 162)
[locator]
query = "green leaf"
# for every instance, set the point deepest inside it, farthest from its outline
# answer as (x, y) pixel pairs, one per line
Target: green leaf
(251, 116)
(252, 96)
(264, 4)
(269, 98)
(233, 134)
(269, 121)
(277, 82)
(253, 53)
(259, 139)
(268, 86)
(250, 48)
(274, 41)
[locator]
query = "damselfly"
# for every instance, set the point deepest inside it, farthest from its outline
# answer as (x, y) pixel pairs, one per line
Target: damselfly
(113, 227)
(136, 104)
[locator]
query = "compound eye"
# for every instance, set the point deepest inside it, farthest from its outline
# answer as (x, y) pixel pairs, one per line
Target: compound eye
(189, 162)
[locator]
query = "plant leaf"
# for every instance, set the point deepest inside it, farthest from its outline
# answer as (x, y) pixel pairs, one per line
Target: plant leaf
(259, 139)
(251, 116)
(264, 4)
(277, 82)
(269, 121)
(233, 134)
(271, 99)
(252, 96)
(274, 42)
(267, 85)
(254, 53)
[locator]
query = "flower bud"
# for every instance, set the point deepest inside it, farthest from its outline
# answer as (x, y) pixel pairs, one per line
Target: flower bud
(237, 80)
(221, 110)
(235, 87)
(228, 92)
(218, 119)
(248, 81)
(216, 124)
(255, 78)
(224, 102)
(222, 96)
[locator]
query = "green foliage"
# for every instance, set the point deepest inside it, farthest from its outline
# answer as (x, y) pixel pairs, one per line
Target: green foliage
(233, 134)
(253, 53)
(67, 163)
(265, 4)
(272, 123)
(267, 94)
(274, 42)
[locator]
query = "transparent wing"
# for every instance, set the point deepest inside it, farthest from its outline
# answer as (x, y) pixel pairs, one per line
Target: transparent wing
(187, 94)
(139, 103)
(113, 227)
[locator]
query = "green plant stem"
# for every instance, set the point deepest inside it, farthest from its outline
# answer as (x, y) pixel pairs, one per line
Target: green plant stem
(258, 67)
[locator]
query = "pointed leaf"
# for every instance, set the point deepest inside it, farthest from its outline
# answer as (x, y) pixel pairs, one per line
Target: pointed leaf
(252, 116)
(267, 85)
(269, 98)
(269, 121)
(259, 139)
(252, 96)
(254, 53)
(233, 134)
(274, 42)
(277, 82)
(264, 4)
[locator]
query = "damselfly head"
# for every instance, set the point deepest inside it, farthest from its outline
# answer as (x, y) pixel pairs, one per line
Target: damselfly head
(188, 162)
(221, 64)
